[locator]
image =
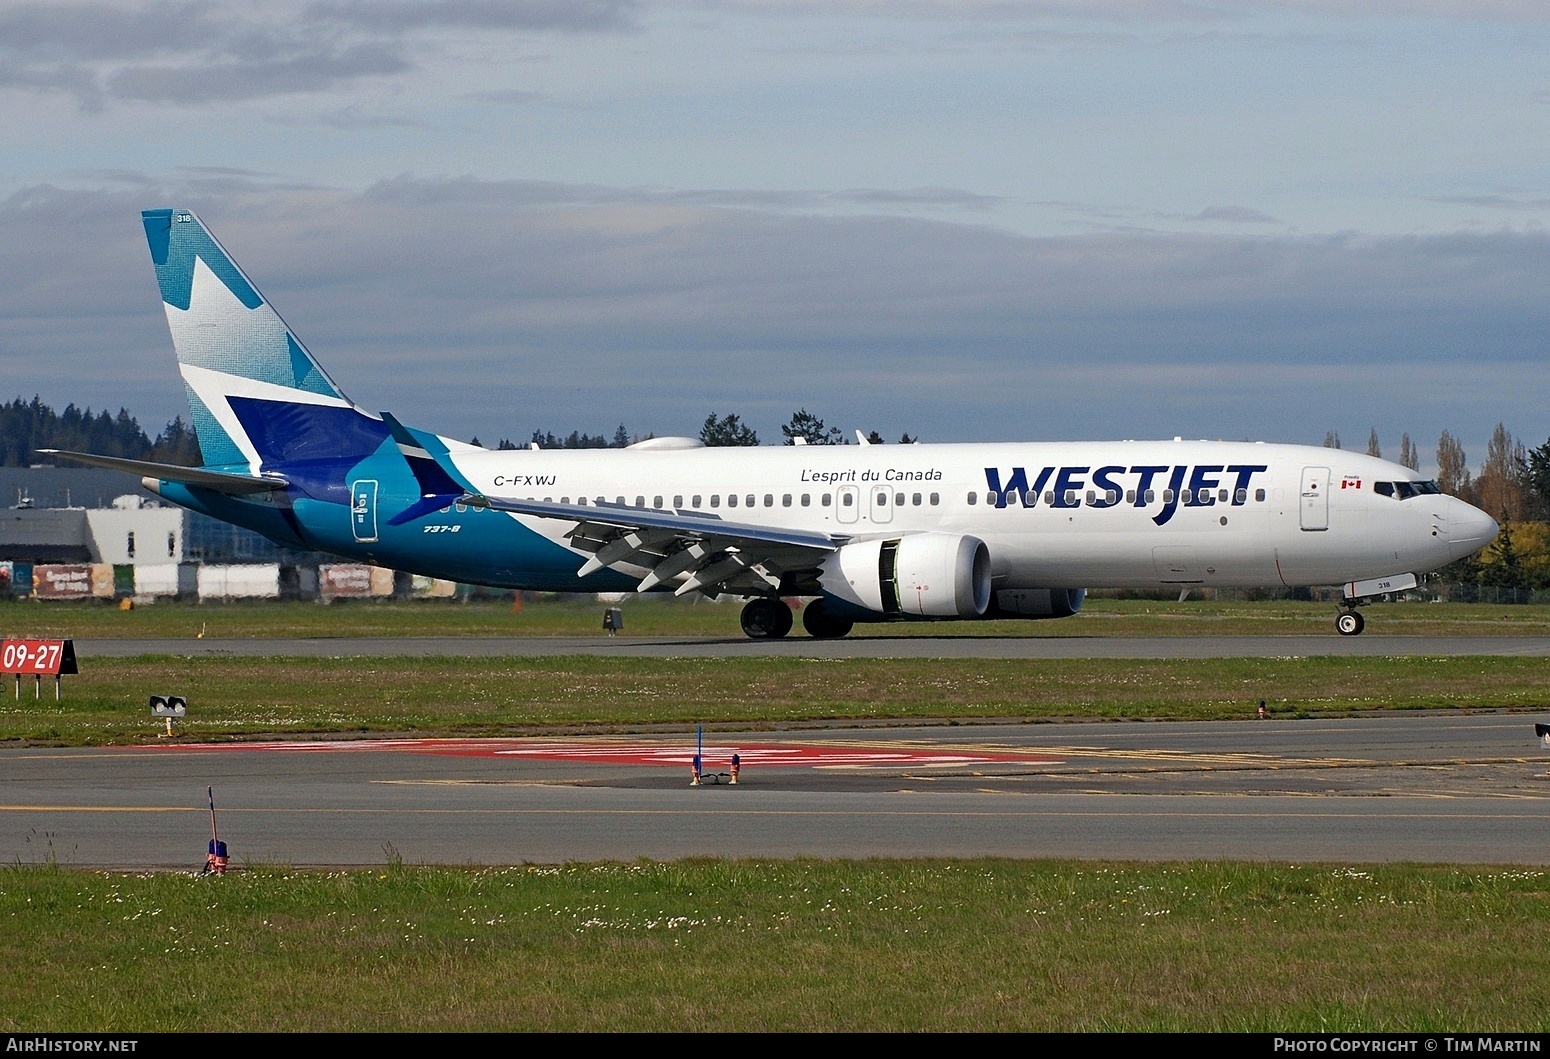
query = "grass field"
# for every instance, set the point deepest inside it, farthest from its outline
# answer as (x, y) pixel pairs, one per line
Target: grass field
(229, 697)
(655, 617)
(760, 946)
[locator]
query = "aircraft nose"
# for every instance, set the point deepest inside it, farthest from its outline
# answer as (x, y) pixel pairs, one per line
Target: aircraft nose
(1470, 529)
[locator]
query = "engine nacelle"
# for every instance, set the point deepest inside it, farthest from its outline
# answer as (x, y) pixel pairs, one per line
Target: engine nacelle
(929, 575)
(1037, 602)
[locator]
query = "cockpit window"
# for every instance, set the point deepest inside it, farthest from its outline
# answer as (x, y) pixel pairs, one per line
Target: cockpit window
(1405, 490)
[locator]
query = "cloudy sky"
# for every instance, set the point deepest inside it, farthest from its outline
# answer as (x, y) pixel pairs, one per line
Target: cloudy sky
(965, 220)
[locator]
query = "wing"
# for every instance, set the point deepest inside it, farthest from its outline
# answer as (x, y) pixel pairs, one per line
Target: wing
(691, 551)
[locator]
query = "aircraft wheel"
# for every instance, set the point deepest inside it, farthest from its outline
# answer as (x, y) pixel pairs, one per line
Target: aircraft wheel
(1349, 623)
(822, 625)
(766, 619)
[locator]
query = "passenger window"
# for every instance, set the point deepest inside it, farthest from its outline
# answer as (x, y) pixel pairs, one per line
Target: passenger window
(807, 499)
(1030, 498)
(581, 501)
(618, 500)
(1221, 494)
(846, 500)
(1130, 496)
(1185, 496)
(656, 501)
(1151, 496)
(936, 498)
(916, 500)
(731, 500)
(1167, 495)
(898, 499)
(640, 501)
(882, 500)
(973, 499)
(715, 500)
(678, 500)
(1259, 495)
(828, 498)
(785, 500)
(1241, 496)
(769, 499)
(1070, 497)
(697, 500)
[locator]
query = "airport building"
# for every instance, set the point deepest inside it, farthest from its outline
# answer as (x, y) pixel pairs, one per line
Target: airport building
(83, 533)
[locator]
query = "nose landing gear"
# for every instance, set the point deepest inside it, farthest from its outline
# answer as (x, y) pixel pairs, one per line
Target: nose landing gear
(1349, 622)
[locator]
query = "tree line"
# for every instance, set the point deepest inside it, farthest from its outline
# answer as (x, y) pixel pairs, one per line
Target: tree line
(716, 432)
(26, 426)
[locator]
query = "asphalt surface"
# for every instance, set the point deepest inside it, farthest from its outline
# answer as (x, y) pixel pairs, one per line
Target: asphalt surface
(1434, 787)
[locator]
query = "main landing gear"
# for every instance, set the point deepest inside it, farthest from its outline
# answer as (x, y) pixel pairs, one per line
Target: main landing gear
(1349, 622)
(766, 619)
(822, 624)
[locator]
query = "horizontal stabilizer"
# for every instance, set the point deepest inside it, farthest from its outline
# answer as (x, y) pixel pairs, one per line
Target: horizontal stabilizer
(216, 481)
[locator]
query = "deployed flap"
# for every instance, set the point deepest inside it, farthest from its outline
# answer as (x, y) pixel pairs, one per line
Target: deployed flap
(216, 481)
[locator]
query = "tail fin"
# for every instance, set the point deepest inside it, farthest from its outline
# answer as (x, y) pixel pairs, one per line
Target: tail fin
(255, 394)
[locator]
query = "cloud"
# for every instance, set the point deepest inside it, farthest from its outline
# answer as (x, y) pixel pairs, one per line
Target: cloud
(192, 52)
(310, 70)
(1234, 215)
(496, 308)
(401, 16)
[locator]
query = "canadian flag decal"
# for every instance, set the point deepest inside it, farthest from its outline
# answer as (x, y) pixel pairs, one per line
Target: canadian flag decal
(1350, 481)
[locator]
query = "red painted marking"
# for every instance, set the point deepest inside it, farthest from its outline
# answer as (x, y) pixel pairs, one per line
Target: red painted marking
(608, 751)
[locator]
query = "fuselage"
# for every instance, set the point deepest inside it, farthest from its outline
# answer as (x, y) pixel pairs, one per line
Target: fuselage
(1091, 514)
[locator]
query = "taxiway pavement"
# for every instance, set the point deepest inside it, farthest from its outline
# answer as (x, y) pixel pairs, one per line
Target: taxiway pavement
(1434, 787)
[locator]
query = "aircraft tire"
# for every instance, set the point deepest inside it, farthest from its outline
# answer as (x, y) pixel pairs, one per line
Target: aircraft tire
(766, 619)
(1349, 623)
(822, 625)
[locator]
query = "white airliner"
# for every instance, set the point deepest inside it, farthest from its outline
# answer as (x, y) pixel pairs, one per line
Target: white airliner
(867, 533)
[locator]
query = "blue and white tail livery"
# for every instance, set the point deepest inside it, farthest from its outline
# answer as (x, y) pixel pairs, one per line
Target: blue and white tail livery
(866, 533)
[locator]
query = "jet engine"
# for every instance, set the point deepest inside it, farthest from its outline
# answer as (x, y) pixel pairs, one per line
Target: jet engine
(1037, 602)
(933, 575)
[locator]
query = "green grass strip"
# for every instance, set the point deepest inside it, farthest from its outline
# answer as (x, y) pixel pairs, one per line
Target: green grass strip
(915, 945)
(107, 702)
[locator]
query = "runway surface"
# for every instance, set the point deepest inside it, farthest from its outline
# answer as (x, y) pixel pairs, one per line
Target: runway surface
(911, 646)
(1437, 787)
